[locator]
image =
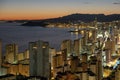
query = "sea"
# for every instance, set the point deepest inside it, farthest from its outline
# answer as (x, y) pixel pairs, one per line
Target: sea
(14, 33)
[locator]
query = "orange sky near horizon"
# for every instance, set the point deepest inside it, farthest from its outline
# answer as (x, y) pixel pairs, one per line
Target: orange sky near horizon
(43, 9)
(43, 15)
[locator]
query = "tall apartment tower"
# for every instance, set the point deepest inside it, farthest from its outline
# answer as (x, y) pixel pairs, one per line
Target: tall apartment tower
(74, 63)
(84, 60)
(86, 37)
(67, 44)
(77, 47)
(99, 66)
(94, 35)
(0, 53)
(110, 44)
(96, 66)
(11, 53)
(93, 66)
(95, 23)
(52, 52)
(0, 57)
(26, 54)
(108, 55)
(39, 59)
(117, 73)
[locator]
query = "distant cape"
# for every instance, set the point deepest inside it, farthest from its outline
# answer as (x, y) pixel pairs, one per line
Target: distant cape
(35, 23)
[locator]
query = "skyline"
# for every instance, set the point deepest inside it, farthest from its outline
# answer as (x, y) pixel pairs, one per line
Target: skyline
(43, 9)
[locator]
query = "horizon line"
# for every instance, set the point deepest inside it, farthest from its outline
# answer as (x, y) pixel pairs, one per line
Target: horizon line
(59, 16)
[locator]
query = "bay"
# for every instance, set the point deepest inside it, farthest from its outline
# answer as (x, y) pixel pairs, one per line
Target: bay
(21, 35)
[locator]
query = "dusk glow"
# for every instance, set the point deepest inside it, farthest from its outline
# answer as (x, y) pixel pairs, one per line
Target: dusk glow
(42, 9)
(59, 39)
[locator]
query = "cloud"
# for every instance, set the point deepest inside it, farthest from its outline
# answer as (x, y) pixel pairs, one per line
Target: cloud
(116, 3)
(86, 3)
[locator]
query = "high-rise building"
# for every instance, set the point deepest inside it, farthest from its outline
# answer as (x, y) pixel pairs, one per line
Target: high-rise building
(84, 57)
(110, 44)
(23, 55)
(20, 56)
(64, 55)
(84, 76)
(16, 69)
(99, 70)
(74, 63)
(85, 38)
(52, 52)
(39, 59)
(3, 70)
(67, 44)
(94, 35)
(95, 23)
(96, 67)
(0, 56)
(77, 47)
(117, 73)
(108, 56)
(0, 53)
(84, 62)
(11, 53)
(58, 63)
(26, 54)
(93, 66)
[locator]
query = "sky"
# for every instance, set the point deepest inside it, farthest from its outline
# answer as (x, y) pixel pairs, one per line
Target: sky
(43, 9)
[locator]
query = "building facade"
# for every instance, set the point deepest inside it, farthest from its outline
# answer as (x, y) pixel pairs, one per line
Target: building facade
(11, 53)
(39, 59)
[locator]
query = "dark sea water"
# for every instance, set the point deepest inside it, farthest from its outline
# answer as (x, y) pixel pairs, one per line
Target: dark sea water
(21, 35)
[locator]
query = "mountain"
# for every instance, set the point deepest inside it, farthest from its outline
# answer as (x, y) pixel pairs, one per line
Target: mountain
(87, 18)
(75, 18)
